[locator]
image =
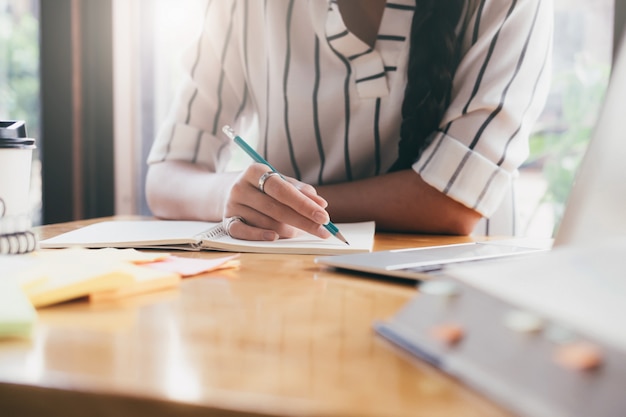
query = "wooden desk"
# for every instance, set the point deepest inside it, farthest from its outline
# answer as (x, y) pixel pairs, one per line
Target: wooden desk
(279, 336)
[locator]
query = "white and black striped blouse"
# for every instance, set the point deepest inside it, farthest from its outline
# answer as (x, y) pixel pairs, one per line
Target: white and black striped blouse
(324, 107)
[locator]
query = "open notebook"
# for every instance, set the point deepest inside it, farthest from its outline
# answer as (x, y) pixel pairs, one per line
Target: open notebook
(193, 235)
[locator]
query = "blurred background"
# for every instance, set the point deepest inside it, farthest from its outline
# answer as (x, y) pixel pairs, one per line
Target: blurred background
(94, 78)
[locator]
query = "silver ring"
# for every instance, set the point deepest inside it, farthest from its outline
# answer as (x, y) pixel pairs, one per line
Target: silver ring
(229, 222)
(264, 178)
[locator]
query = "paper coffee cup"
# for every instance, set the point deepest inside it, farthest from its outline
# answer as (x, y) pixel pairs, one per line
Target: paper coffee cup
(16, 153)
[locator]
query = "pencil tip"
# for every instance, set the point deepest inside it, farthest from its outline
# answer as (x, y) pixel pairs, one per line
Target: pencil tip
(339, 236)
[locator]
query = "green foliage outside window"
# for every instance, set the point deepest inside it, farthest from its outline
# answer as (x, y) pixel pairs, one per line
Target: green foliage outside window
(19, 69)
(559, 147)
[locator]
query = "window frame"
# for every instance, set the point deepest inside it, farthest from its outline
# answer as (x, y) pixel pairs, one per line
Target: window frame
(77, 110)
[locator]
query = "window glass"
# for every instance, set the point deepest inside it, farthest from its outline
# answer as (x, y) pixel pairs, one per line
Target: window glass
(19, 77)
(583, 47)
(167, 28)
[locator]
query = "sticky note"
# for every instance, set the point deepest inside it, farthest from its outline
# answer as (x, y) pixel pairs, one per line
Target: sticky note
(17, 315)
(65, 282)
(523, 321)
(193, 266)
(71, 255)
(448, 333)
(144, 280)
(578, 356)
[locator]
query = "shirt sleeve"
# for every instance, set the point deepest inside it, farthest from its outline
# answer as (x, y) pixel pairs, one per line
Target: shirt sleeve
(499, 91)
(212, 90)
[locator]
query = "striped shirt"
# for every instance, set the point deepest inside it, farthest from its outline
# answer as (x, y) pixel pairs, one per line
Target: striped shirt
(324, 107)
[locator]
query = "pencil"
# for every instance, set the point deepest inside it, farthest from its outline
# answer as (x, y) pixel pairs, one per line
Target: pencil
(258, 158)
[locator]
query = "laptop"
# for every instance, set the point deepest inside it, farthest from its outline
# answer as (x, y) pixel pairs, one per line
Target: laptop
(595, 210)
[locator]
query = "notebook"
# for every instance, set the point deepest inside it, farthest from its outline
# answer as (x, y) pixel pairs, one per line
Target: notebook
(543, 336)
(193, 235)
(596, 206)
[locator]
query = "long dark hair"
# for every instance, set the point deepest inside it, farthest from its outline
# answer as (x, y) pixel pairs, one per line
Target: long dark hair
(433, 58)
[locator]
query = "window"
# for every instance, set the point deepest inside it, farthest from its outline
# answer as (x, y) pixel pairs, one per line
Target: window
(19, 77)
(583, 48)
(147, 72)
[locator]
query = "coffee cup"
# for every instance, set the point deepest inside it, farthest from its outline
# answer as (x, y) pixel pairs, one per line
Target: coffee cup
(16, 154)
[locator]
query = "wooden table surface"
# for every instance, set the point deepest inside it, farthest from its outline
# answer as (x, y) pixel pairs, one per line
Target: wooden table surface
(279, 336)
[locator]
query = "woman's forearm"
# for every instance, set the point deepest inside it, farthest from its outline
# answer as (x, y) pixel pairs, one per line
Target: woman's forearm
(182, 190)
(399, 201)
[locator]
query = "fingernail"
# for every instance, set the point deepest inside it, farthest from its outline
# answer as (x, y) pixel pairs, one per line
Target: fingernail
(269, 236)
(321, 217)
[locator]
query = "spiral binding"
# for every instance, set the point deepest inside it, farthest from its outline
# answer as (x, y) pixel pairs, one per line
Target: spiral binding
(15, 235)
(17, 243)
(216, 231)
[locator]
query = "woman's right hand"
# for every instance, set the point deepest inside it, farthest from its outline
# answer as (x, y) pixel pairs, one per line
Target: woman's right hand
(282, 209)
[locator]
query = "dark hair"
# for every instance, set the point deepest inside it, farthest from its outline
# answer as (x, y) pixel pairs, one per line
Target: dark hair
(433, 58)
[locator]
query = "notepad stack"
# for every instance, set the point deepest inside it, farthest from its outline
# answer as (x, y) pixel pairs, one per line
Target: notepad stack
(42, 279)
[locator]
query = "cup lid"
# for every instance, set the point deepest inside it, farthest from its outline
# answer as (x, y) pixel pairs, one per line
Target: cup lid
(13, 135)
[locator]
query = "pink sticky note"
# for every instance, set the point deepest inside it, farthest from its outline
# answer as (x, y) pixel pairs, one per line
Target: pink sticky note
(192, 266)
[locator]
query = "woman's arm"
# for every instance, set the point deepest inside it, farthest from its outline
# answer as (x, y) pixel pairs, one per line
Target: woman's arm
(184, 190)
(399, 201)
(499, 90)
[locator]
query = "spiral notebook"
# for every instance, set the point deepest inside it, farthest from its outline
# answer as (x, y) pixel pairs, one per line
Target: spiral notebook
(192, 235)
(16, 236)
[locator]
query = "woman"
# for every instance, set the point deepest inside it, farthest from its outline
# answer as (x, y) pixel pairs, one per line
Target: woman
(415, 114)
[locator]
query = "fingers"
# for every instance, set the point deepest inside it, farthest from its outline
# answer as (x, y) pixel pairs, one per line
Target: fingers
(285, 207)
(309, 191)
(241, 230)
(286, 194)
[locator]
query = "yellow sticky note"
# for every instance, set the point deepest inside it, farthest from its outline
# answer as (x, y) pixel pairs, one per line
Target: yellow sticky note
(65, 282)
(144, 280)
(70, 255)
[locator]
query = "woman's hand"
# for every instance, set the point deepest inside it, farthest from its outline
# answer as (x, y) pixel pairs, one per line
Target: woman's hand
(281, 209)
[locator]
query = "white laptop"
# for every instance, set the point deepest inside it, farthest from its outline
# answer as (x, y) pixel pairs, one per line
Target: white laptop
(596, 207)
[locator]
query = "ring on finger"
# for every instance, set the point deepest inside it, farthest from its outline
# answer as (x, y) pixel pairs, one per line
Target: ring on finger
(228, 222)
(264, 178)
